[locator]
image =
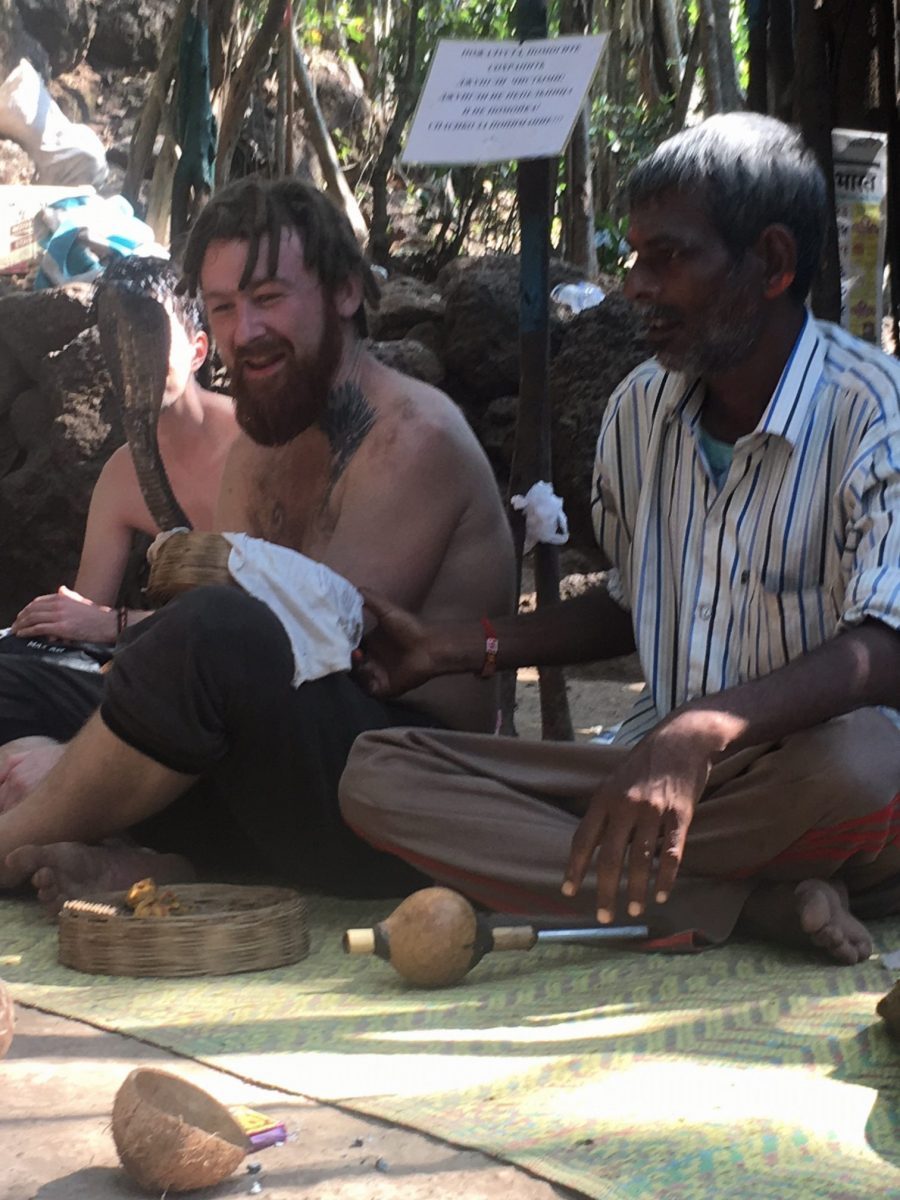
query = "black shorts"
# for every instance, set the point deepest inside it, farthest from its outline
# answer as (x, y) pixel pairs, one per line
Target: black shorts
(205, 688)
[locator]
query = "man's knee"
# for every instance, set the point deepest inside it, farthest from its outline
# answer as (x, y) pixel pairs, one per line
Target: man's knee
(224, 623)
(856, 758)
(369, 780)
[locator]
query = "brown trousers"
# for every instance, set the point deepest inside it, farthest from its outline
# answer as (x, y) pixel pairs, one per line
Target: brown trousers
(494, 817)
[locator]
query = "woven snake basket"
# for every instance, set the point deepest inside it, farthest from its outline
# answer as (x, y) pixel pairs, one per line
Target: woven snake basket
(185, 561)
(219, 929)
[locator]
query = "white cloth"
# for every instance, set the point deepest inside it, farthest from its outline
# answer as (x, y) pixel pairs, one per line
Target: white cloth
(63, 152)
(545, 518)
(322, 613)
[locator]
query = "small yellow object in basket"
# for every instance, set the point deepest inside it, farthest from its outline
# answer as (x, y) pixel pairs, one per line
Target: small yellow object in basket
(146, 900)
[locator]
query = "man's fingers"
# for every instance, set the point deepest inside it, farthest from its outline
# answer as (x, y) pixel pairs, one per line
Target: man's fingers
(641, 865)
(584, 843)
(377, 604)
(610, 863)
(673, 836)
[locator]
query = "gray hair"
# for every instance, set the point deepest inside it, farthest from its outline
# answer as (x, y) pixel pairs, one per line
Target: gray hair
(752, 171)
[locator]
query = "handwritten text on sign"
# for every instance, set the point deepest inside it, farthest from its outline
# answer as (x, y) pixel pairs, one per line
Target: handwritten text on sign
(493, 101)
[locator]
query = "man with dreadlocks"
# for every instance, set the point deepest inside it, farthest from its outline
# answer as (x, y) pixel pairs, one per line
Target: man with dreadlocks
(40, 707)
(202, 746)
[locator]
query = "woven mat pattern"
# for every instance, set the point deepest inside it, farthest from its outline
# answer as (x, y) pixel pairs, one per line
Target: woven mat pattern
(745, 1072)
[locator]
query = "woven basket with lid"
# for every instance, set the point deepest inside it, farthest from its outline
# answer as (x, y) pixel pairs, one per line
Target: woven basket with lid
(220, 929)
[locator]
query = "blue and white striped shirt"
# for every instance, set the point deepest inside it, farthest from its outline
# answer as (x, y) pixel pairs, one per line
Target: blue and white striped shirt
(803, 537)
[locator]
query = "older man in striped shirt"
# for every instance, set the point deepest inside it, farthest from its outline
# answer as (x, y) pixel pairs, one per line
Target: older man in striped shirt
(747, 496)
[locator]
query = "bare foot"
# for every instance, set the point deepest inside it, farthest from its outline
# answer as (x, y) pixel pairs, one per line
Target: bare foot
(67, 869)
(814, 911)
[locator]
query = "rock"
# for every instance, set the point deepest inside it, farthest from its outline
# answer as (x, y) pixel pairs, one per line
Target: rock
(482, 324)
(430, 334)
(131, 33)
(63, 27)
(340, 92)
(405, 302)
(14, 41)
(495, 427)
(44, 502)
(16, 166)
(34, 324)
(10, 454)
(412, 358)
(77, 93)
(599, 348)
(13, 378)
(30, 418)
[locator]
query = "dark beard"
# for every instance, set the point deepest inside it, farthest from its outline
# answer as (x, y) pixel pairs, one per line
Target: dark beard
(274, 412)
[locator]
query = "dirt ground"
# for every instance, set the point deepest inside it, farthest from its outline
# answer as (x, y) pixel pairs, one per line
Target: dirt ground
(57, 1086)
(59, 1079)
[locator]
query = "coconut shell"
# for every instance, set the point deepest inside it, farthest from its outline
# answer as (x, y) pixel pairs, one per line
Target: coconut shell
(173, 1136)
(888, 1008)
(7, 1018)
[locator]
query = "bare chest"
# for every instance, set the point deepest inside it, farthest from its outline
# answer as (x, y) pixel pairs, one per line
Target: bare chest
(290, 498)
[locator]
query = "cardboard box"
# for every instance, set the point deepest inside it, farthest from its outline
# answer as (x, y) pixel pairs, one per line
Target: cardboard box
(20, 204)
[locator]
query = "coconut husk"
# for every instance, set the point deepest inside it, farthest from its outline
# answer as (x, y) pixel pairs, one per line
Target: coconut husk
(7, 1018)
(187, 560)
(171, 1135)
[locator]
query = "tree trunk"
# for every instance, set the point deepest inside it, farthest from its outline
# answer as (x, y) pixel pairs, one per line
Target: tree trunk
(241, 84)
(781, 59)
(758, 55)
(578, 209)
(379, 237)
(667, 16)
(142, 140)
(335, 182)
(683, 100)
(709, 55)
(731, 93)
(812, 103)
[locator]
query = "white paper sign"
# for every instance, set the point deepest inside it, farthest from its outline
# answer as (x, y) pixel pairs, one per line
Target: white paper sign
(494, 101)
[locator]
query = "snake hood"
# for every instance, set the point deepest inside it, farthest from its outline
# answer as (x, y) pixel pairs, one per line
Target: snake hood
(135, 336)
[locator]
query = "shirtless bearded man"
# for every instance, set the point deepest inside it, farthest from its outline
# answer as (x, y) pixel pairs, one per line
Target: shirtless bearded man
(202, 745)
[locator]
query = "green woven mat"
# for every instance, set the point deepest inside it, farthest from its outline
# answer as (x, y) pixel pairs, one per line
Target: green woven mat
(743, 1072)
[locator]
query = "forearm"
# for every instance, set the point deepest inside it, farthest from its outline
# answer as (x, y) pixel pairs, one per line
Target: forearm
(587, 628)
(857, 669)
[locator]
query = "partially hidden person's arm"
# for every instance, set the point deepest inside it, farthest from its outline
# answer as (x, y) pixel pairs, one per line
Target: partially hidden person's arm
(86, 613)
(402, 652)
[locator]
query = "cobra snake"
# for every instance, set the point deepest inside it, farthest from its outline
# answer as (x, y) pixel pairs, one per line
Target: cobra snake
(135, 336)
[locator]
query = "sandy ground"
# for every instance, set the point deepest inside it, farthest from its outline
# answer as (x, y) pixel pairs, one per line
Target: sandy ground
(59, 1079)
(57, 1086)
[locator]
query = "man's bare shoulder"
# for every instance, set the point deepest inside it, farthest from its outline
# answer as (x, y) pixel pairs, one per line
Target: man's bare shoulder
(414, 417)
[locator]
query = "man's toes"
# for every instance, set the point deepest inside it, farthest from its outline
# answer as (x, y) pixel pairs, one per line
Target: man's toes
(24, 861)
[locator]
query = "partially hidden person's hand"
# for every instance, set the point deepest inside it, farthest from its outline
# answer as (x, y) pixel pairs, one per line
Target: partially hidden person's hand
(23, 770)
(637, 823)
(67, 616)
(394, 656)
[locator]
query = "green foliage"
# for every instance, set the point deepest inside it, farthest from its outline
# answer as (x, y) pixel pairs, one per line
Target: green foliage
(612, 249)
(630, 130)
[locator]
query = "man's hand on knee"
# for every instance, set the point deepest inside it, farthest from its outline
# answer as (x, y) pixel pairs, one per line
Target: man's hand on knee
(637, 824)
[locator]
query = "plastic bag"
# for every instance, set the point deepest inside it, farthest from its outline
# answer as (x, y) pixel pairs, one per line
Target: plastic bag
(64, 153)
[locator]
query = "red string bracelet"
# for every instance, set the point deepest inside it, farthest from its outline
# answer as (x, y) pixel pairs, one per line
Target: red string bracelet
(491, 649)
